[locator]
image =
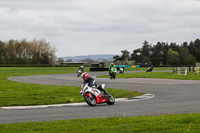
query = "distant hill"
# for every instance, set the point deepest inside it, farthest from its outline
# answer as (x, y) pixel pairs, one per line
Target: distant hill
(107, 57)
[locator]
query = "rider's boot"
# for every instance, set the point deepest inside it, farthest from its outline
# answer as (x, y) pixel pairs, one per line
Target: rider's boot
(102, 90)
(105, 92)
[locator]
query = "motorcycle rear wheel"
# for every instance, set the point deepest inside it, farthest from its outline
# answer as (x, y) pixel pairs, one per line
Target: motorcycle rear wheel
(90, 101)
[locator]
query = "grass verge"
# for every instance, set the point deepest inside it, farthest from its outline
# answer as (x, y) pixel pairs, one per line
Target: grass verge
(167, 123)
(145, 68)
(160, 75)
(14, 93)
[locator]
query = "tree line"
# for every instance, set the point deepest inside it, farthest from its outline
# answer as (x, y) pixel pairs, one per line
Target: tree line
(27, 52)
(163, 54)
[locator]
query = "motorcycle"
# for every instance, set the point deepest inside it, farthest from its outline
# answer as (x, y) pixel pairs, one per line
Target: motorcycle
(94, 96)
(150, 69)
(79, 72)
(121, 70)
(113, 73)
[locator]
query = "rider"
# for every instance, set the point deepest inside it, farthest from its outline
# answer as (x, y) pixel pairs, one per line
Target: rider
(110, 67)
(80, 70)
(81, 67)
(91, 82)
(123, 67)
(151, 67)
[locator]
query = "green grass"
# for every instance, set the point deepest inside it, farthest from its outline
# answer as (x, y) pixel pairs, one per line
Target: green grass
(14, 93)
(161, 75)
(145, 68)
(167, 123)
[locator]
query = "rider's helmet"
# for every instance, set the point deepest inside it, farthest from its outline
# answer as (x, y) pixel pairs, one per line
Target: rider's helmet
(84, 76)
(81, 66)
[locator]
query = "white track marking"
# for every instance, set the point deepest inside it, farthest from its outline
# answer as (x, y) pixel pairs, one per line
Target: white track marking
(142, 97)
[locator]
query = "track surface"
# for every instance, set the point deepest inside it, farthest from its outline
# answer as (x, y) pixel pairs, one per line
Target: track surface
(171, 96)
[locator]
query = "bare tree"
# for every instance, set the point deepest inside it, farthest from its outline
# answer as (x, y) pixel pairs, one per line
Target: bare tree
(23, 52)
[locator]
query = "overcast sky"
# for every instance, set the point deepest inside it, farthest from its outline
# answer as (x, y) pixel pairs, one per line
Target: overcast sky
(86, 27)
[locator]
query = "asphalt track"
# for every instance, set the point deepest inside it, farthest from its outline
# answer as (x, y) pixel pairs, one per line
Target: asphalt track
(170, 96)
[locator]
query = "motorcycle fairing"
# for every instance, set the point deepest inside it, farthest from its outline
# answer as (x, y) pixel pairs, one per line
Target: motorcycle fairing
(100, 99)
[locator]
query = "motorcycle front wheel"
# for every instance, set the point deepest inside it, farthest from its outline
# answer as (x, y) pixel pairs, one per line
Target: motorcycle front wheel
(111, 99)
(90, 101)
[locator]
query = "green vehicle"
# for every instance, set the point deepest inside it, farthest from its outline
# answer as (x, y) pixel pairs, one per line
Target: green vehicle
(113, 73)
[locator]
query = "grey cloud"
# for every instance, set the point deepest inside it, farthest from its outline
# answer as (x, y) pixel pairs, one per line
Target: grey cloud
(100, 25)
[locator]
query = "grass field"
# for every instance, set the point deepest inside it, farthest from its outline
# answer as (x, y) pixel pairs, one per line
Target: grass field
(14, 93)
(167, 123)
(145, 68)
(161, 75)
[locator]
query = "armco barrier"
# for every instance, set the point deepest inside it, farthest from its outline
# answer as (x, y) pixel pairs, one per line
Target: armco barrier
(181, 70)
(99, 69)
(128, 66)
(197, 70)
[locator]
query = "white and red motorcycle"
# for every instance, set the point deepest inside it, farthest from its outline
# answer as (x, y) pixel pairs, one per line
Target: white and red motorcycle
(94, 96)
(79, 72)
